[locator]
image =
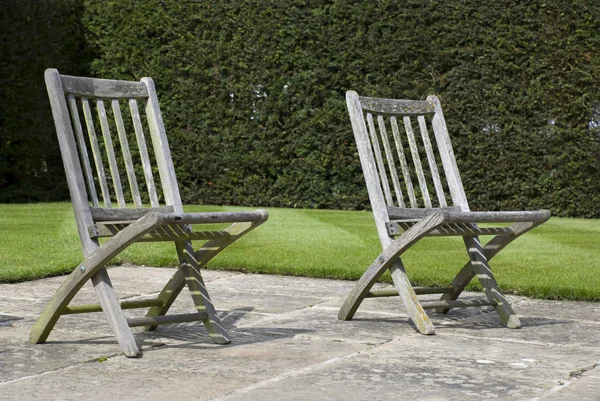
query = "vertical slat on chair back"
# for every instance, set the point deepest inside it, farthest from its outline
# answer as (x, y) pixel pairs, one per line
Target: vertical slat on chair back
(399, 158)
(116, 126)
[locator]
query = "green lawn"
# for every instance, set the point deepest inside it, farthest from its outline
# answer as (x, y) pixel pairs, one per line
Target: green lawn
(559, 260)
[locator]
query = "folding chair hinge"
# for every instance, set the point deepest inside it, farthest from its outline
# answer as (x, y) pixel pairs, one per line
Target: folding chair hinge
(392, 228)
(93, 231)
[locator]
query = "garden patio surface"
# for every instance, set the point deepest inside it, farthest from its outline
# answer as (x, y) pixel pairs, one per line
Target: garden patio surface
(287, 344)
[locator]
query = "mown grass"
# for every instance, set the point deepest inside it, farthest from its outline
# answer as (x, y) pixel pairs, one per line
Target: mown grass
(559, 260)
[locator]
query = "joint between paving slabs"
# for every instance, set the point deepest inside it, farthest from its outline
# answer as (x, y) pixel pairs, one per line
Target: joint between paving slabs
(64, 368)
(578, 373)
(292, 373)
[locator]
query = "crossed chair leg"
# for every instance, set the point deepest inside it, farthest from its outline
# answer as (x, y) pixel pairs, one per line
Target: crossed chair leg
(93, 267)
(476, 267)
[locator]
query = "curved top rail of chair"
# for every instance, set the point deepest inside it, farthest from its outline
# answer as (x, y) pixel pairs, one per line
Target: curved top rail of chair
(396, 106)
(106, 88)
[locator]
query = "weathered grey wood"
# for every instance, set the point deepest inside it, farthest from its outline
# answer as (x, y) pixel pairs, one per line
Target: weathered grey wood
(199, 293)
(408, 225)
(488, 282)
(382, 293)
(491, 249)
(112, 215)
(112, 221)
(161, 149)
(454, 215)
(126, 226)
(449, 230)
(379, 158)
(417, 162)
(157, 320)
(103, 214)
(395, 106)
(462, 229)
(87, 113)
(397, 213)
(403, 164)
(259, 215)
(367, 162)
(133, 186)
(409, 298)
(386, 260)
(171, 290)
(68, 150)
(539, 216)
(114, 314)
(141, 142)
(435, 174)
(202, 256)
(417, 290)
(467, 303)
(110, 153)
(390, 159)
(83, 150)
(438, 122)
(88, 268)
(104, 88)
(130, 304)
(163, 233)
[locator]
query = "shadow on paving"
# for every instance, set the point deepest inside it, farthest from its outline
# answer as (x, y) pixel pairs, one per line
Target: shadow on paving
(194, 336)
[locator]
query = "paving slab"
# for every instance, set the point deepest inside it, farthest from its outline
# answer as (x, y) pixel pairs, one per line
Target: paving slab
(287, 344)
(442, 368)
(196, 370)
(586, 388)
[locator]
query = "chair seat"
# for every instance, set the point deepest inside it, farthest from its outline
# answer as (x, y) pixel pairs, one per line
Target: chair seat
(169, 231)
(396, 228)
(464, 223)
(172, 232)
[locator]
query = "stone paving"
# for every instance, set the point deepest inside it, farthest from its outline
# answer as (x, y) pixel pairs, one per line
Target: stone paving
(289, 345)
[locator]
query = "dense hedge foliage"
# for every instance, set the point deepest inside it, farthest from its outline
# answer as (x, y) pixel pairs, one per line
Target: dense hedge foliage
(253, 92)
(33, 36)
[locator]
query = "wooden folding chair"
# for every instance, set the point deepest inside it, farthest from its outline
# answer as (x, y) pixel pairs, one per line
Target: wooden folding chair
(74, 97)
(403, 219)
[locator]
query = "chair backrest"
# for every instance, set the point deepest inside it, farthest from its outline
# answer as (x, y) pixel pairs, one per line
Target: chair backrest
(88, 115)
(401, 167)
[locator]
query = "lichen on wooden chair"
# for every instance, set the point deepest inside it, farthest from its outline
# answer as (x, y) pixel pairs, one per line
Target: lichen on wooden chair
(394, 161)
(125, 213)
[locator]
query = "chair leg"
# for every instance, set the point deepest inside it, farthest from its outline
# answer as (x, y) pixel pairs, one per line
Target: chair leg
(459, 283)
(390, 259)
(410, 300)
(488, 282)
(91, 265)
(53, 309)
(199, 292)
(168, 295)
(202, 256)
(114, 314)
(491, 249)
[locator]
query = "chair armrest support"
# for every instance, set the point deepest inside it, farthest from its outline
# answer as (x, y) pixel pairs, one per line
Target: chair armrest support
(539, 216)
(260, 215)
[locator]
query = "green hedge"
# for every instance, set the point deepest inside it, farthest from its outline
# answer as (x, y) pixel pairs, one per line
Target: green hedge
(34, 34)
(253, 92)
